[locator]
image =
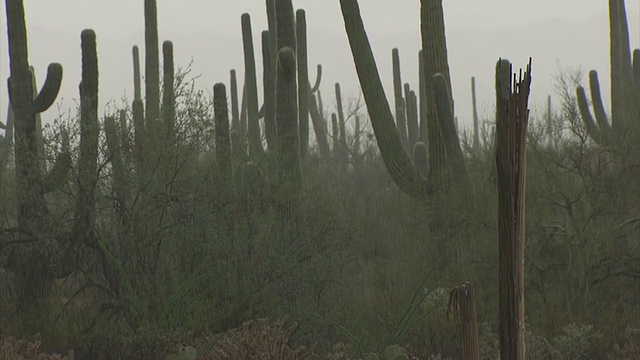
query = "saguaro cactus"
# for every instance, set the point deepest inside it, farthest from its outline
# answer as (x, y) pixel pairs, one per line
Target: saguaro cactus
(269, 81)
(476, 123)
(168, 97)
(625, 86)
(89, 132)
(287, 118)
(223, 140)
(29, 265)
(235, 111)
(152, 65)
(303, 80)
(255, 145)
(319, 127)
(401, 113)
(396, 159)
(434, 46)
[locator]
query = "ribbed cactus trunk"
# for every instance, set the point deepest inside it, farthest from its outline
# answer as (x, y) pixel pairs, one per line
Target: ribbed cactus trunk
(39, 135)
(413, 129)
(119, 178)
(255, 143)
(549, 121)
(269, 81)
(335, 134)
(139, 126)
(242, 132)
(235, 111)
(422, 93)
(28, 262)
(434, 49)
(287, 118)
(168, 97)
(343, 152)
(287, 95)
(89, 132)
(303, 80)
(476, 122)
(448, 131)
(152, 66)
(7, 145)
(223, 140)
(621, 68)
(319, 128)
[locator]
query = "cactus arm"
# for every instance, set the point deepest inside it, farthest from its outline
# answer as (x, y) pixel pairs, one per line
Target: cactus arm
(319, 128)
(397, 85)
(316, 85)
(413, 134)
(395, 158)
(49, 91)
(587, 118)
(596, 99)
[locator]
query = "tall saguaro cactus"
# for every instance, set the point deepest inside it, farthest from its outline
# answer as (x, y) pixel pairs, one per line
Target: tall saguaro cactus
(221, 119)
(303, 80)
(255, 145)
(287, 118)
(476, 122)
(268, 80)
(168, 97)
(152, 64)
(394, 155)
(30, 266)
(625, 86)
(434, 47)
(89, 132)
(396, 159)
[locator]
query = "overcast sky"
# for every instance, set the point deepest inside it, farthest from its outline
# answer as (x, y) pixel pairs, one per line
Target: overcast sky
(555, 33)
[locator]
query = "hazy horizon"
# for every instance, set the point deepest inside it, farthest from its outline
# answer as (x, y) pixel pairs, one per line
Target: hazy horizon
(573, 35)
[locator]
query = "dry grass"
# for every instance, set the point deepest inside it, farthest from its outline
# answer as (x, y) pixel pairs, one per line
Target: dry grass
(14, 349)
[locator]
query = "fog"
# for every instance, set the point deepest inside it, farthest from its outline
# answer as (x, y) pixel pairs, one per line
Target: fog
(571, 34)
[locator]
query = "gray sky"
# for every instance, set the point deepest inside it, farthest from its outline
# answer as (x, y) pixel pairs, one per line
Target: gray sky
(555, 33)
